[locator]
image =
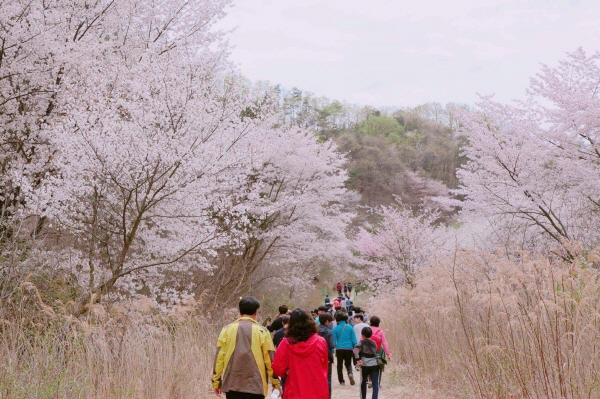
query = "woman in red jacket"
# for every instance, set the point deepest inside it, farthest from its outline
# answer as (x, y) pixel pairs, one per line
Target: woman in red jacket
(303, 358)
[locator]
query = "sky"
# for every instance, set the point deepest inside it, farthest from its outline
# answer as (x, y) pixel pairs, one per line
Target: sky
(404, 53)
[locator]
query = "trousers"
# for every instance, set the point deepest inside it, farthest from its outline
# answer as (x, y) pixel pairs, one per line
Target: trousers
(367, 372)
(344, 358)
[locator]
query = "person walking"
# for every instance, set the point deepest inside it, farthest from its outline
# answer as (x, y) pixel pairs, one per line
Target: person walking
(343, 306)
(345, 290)
(358, 326)
(243, 363)
(327, 300)
(379, 336)
(325, 331)
(302, 358)
(349, 305)
(278, 322)
(280, 334)
(366, 355)
(345, 340)
(339, 289)
(349, 290)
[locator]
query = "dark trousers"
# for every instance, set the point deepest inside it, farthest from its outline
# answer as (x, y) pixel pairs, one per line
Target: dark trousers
(344, 357)
(242, 395)
(374, 373)
(329, 372)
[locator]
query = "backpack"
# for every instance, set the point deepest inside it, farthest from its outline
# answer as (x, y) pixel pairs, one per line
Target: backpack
(378, 339)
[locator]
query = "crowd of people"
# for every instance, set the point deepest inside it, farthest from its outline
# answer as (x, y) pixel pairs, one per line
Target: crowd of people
(297, 359)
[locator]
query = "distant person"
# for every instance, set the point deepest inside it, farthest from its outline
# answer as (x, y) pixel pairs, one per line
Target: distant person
(345, 289)
(280, 334)
(366, 356)
(343, 306)
(345, 340)
(327, 300)
(242, 366)
(349, 290)
(336, 303)
(325, 320)
(278, 322)
(302, 357)
(349, 305)
(359, 324)
(339, 289)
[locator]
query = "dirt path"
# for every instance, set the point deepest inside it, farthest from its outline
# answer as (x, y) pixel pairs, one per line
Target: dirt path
(406, 390)
(353, 392)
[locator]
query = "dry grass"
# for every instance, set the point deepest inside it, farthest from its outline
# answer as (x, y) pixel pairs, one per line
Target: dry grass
(116, 354)
(484, 327)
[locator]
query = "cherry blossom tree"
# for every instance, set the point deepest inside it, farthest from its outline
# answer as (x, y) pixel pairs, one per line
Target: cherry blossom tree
(396, 250)
(533, 165)
(157, 160)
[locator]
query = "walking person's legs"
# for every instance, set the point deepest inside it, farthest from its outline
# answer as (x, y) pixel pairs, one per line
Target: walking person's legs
(348, 364)
(329, 371)
(375, 377)
(340, 366)
(364, 373)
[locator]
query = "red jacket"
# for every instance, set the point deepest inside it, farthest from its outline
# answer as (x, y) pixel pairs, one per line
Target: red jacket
(305, 364)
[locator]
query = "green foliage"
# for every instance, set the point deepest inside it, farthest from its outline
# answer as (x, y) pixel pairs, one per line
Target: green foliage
(392, 153)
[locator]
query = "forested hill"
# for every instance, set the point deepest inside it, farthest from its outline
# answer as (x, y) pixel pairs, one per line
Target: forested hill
(412, 153)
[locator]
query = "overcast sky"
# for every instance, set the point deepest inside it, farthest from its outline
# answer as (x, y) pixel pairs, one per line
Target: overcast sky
(403, 53)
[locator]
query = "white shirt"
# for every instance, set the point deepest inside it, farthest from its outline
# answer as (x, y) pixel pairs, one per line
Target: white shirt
(358, 330)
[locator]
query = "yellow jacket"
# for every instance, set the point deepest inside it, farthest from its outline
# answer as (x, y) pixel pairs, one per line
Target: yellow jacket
(244, 356)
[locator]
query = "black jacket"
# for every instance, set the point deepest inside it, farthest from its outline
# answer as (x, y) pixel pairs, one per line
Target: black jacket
(276, 325)
(326, 333)
(278, 337)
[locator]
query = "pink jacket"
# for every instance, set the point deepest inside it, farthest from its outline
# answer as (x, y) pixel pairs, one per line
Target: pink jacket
(379, 337)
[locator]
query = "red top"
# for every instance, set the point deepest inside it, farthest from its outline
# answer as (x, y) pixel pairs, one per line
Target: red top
(305, 364)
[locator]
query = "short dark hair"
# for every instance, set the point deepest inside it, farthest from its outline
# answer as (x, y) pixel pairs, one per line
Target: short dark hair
(375, 321)
(285, 319)
(367, 332)
(341, 316)
(283, 309)
(359, 316)
(325, 317)
(301, 326)
(322, 308)
(358, 309)
(248, 305)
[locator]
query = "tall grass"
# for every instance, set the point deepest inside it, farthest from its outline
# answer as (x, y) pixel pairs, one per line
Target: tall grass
(492, 328)
(118, 355)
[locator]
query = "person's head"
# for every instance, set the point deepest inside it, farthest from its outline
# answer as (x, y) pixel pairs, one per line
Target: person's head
(325, 318)
(359, 318)
(328, 306)
(321, 309)
(283, 309)
(285, 320)
(338, 308)
(367, 332)
(326, 296)
(341, 316)
(357, 309)
(301, 326)
(249, 306)
(375, 321)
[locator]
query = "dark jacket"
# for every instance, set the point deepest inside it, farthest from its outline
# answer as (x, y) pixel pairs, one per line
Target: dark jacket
(278, 337)
(326, 333)
(276, 325)
(366, 350)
